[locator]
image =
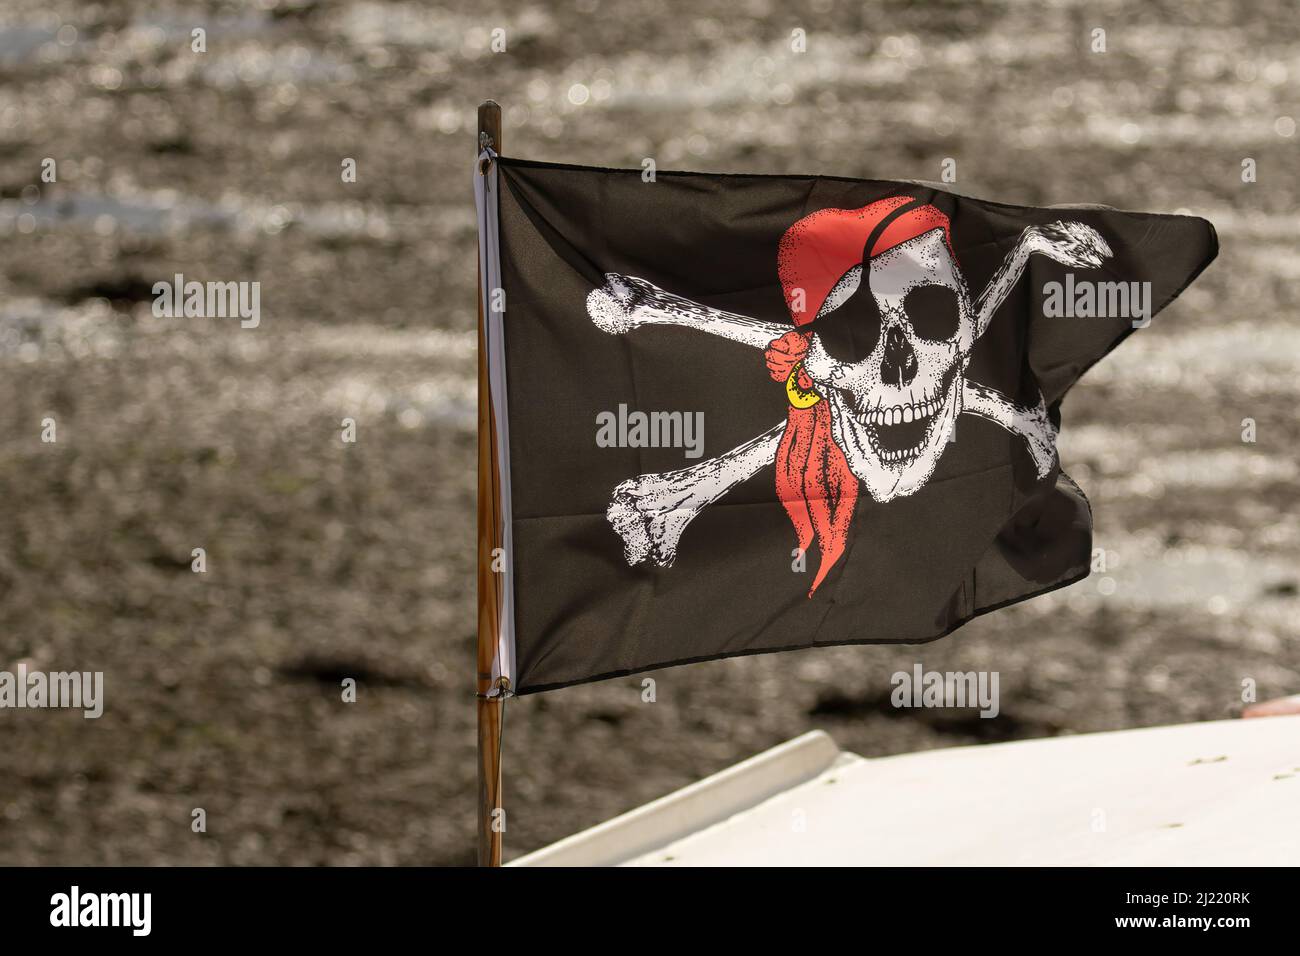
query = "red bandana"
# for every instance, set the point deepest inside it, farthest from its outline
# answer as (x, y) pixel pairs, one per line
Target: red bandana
(813, 479)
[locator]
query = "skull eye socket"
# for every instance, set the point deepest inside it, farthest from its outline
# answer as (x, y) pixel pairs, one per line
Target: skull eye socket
(933, 311)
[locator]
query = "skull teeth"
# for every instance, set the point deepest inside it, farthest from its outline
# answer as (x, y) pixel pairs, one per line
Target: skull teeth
(901, 455)
(899, 414)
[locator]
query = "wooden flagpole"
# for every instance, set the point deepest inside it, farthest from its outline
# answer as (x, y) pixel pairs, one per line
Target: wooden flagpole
(490, 584)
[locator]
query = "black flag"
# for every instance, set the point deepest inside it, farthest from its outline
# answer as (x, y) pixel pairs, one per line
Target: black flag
(757, 413)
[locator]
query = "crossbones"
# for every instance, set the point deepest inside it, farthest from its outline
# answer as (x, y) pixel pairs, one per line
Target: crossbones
(890, 411)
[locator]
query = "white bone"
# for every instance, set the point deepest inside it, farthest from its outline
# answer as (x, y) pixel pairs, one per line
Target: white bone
(1031, 424)
(650, 512)
(1069, 243)
(624, 303)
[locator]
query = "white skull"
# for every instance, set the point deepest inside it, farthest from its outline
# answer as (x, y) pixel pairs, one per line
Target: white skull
(892, 412)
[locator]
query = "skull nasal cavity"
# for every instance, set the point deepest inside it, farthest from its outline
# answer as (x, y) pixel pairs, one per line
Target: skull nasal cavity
(898, 366)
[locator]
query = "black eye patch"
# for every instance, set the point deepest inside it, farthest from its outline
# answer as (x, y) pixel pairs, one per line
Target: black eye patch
(850, 333)
(933, 311)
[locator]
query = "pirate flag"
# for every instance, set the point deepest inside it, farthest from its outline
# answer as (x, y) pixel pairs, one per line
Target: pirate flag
(743, 414)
